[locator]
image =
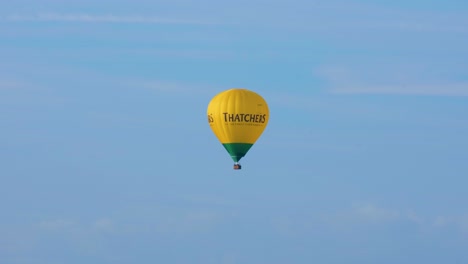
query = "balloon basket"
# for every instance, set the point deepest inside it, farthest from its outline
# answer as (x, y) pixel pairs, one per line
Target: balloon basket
(237, 166)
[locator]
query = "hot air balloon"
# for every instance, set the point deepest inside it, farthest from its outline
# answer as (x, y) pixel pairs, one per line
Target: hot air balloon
(237, 118)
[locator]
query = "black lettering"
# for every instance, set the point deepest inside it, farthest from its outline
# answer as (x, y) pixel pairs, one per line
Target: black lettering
(242, 119)
(248, 118)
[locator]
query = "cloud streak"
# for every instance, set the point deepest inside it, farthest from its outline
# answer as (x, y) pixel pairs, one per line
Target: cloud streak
(7, 85)
(174, 87)
(448, 89)
(398, 79)
(373, 213)
(88, 18)
(359, 214)
(459, 221)
(57, 225)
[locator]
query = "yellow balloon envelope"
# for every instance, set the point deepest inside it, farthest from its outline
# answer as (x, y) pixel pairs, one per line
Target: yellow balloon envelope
(237, 118)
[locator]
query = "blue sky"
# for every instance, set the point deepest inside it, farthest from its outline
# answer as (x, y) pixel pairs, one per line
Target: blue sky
(107, 157)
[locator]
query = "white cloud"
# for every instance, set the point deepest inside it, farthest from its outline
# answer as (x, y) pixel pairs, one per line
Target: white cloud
(88, 18)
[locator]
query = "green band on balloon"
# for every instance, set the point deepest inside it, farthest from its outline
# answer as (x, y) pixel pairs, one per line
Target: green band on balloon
(237, 150)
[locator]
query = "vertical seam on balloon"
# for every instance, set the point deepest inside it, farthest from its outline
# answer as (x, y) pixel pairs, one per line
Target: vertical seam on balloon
(226, 106)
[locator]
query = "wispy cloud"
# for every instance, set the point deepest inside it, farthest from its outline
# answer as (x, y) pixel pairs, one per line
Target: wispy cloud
(399, 20)
(343, 17)
(448, 89)
(6, 84)
(178, 220)
(398, 79)
(69, 226)
(366, 213)
(460, 222)
(90, 18)
(57, 225)
(307, 16)
(104, 224)
(370, 212)
(175, 87)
